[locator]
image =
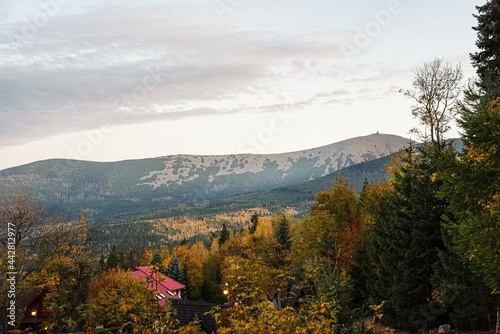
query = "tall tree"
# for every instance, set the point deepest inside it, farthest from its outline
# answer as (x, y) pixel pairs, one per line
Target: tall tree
(113, 260)
(333, 226)
(436, 89)
(254, 221)
(224, 234)
(472, 181)
(472, 185)
(283, 235)
(406, 240)
(192, 267)
(326, 241)
(487, 59)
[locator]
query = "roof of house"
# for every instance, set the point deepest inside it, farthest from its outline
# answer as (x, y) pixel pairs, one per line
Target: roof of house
(188, 310)
(166, 286)
(25, 301)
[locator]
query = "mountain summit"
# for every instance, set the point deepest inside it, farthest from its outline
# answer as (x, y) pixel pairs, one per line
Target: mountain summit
(133, 185)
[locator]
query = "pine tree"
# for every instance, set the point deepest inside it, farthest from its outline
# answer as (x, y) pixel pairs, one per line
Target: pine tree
(406, 238)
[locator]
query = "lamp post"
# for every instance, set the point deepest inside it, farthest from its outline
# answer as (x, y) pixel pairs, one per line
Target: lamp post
(33, 313)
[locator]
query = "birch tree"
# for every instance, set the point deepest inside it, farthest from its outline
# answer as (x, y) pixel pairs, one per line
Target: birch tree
(436, 91)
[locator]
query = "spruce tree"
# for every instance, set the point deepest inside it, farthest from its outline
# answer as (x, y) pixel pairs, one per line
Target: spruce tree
(113, 260)
(224, 234)
(487, 59)
(175, 272)
(465, 297)
(283, 234)
(156, 260)
(254, 221)
(406, 240)
(472, 186)
(472, 180)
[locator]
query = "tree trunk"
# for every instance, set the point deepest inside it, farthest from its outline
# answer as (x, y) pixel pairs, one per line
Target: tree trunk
(497, 329)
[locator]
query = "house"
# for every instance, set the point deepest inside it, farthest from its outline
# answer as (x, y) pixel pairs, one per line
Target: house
(164, 285)
(31, 303)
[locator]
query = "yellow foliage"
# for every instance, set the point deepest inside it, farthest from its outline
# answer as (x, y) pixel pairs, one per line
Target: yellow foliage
(178, 228)
(312, 317)
(377, 310)
(190, 261)
(146, 257)
(265, 227)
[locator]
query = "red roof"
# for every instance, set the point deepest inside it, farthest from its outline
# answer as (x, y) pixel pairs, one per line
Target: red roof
(164, 285)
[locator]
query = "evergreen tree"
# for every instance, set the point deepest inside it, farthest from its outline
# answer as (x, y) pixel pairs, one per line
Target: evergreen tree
(472, 181)
(130, 261)
(472, 185)
(487, 59)
(156, 260)
(113, 260)
(283, 234)
(406, 238)
(465, 297)
(175, 272)
(254, 221)
(184, 293)
(224, 234)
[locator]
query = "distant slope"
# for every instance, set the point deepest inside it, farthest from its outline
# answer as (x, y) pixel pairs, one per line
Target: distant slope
(107, 189)
(299, 196)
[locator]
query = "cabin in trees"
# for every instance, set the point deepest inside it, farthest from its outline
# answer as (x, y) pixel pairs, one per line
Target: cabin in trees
(31, 304)
(165, 286)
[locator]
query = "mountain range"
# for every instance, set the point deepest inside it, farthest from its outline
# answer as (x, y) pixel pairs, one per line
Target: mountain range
(133, 187)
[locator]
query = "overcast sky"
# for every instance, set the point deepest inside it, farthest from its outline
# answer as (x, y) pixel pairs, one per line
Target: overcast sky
(109, 80)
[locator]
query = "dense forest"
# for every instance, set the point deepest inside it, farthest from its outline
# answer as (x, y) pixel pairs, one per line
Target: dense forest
(412, 253)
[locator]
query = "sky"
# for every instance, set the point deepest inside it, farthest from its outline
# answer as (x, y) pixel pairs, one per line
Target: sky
(108, 80)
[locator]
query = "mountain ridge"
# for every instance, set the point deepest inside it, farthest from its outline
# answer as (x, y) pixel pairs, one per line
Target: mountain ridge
(107, 188)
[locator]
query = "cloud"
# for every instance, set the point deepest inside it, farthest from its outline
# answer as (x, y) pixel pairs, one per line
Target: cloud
(129, 62)
(90, 63)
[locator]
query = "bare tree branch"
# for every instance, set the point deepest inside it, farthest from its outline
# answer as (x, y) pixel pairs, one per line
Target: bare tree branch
(437, 88)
